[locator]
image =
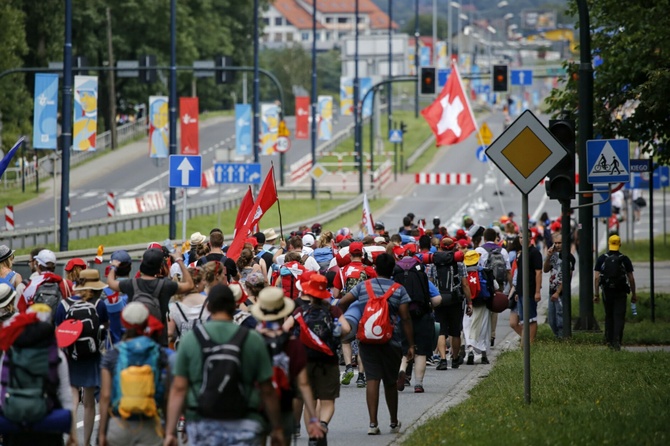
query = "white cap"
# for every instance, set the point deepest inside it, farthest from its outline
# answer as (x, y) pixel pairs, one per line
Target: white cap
(308, 240)
(45, 256)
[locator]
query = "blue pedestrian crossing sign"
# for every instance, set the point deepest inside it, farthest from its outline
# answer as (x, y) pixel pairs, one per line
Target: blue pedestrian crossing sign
(481, 154)
(245, 173)
(607, 161)
(521, 77)
(602, 210)
(185, 171)
(395, 135)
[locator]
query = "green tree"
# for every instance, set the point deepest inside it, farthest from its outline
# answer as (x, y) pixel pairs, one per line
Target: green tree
(632, 84)
(426, 26)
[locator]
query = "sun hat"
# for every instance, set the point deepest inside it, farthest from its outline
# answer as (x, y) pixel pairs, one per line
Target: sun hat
(75, 262)
(317, 287)
(197, 239)
(270, 235)
(380, 240)
(272, 305)
(136, 315)
(614, 243)
(471, 258)
(237, 290)
(7, 295)
(5, 252)
(89, 279)
(45, 256)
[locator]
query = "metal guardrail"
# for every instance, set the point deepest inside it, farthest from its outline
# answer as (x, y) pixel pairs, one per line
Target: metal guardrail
(419, 151)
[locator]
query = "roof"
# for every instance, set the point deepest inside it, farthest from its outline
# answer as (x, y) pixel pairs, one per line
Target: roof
(301, 18)
(295, 14)
(343, 6)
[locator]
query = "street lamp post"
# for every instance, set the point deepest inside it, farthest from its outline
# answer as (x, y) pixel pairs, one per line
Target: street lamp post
(416, 56)
(173, 114)
(66, 134)
(390, 87)
(257, 92)
(357, 106)
(313, 98)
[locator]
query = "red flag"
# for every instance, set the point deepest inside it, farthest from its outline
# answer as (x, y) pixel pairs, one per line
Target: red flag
(266, 198)
(188, 118)
(302, 117)
(309, 338)
(245, 207)
(450, 116)
(421, 228)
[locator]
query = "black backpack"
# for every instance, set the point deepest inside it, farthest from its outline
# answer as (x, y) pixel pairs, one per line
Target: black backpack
(415, 282)
(447, 278)
(320, 320)
(613, 274)
(90, 340)
(496, 263)
(221, 377)
(149, 300)
(48, 293)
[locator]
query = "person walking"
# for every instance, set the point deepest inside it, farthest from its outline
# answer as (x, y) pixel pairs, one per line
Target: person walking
(553, 265)
(614, 275)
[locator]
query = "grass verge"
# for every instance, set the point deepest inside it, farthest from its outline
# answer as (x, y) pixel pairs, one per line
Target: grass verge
(638, 251)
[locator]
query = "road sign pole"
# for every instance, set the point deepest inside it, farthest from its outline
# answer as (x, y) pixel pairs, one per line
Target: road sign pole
(282, 166)
(665, 220)
(525, 292)
(172, 205)
(183, 219)
(566, 246)
(651, 240)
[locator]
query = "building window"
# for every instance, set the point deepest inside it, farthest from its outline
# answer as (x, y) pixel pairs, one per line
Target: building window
(361, 20)
(289, 37)
(329, 20)
(266, 21)
(342, 20)
(305, 36)
(278, 37)
(328, 36)
(279, 21)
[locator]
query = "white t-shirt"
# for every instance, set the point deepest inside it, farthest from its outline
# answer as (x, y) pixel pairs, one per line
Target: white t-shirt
(617, 199)
(310, 263)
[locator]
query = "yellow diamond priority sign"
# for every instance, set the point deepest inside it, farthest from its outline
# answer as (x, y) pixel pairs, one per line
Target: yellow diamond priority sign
(317, 172)
(526, 152)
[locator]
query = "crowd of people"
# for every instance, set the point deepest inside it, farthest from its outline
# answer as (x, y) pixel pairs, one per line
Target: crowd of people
(200, 347)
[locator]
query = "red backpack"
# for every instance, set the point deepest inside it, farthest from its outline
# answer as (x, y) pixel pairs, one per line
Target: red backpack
(375, 326)
(290, 274)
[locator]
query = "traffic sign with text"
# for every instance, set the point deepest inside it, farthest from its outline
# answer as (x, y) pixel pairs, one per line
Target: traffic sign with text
(245, 173)
(185, 171)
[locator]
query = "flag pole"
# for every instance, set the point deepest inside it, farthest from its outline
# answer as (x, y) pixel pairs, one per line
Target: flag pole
(281, 226)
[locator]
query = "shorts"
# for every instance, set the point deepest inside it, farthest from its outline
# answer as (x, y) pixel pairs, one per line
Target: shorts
(122, 432)
(532, 310)
(217, 432)
(381, 362)
(450, 319)
(324, 379)
(424, 332)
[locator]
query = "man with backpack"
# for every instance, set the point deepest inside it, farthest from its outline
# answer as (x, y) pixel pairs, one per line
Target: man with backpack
(47, 287)
(553, 265)
(217, 364)
(132, 387)
(384, 301)
(614, 275)
(115, 300)
(477, 327)
(216, 254)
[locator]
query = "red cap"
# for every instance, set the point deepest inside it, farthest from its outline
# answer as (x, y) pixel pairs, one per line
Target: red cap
(464, 243)
(410, 249)
(356, 248)
(399, 251)
(459, 256)
(447, 243)
(460, 234)
(252, 241)
(555, 226)
(75, 262)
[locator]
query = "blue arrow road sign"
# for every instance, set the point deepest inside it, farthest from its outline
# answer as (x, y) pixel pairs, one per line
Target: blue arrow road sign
(442, 75)
(481, 154)
(228, 173)
(185, 170)
(607, 161)
(603, 210)
(395, 135)
(521, 77)
(640, 180)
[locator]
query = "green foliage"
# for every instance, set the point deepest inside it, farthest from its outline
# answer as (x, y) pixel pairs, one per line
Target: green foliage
(426, 26)
(631, 85)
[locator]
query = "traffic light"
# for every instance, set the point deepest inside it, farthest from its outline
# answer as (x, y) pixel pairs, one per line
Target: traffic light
(149, 75)
(561, 182)
(403, 127)
(427, 80)
(224, 76)
(499, 77)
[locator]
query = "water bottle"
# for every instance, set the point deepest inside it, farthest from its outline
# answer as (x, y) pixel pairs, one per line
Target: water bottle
(633, 308)
(337, 329)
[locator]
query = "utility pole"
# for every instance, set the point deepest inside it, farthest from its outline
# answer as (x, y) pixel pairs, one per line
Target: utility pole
(66, 128)
(313, 98)
(358, 108)
(416, 57)
(256, 133)
(110, 79)
(173, 113)
(390, 90)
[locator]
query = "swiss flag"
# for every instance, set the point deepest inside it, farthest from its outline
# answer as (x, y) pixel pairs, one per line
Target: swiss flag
(245, 207)
(450, 116)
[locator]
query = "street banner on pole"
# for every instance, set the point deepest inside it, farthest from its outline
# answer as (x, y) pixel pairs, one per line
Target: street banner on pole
(85, 122)
(346, 96)
(325, 117)
(159, 131)
(188, 118)
(302, 117)
(365, 85)
(269, 128)
(243, 143)
(45, 111)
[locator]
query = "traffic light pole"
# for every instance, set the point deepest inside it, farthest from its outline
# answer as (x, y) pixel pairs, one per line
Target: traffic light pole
(173, 116)
(66, 130)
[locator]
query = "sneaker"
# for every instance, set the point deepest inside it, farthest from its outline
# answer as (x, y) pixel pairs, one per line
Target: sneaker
(471, 358)
(373, 430)
(401, 380)
(347, 376)
(485, 360)
(461, 354)
(493, 341)
(395, 428)
(418, 389)
(360, 382)
(430, 361)
(442, 365)
(455, 362)
(296, 430)
(354, 361)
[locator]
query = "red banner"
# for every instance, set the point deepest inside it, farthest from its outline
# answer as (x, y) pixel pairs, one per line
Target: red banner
(188, 118)
(302, 117)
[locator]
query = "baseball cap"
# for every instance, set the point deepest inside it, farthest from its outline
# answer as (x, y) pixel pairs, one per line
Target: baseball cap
(614, 243)
(152, 260)
(308, 240)
(122, 256)
(75, 262)
(380, 240)
(379, 225)
(45, 256)
(356, 248)
(410, 249)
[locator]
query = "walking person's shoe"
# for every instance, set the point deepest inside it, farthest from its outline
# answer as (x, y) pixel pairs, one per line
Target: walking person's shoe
(395, 427)
(493, 341)
(471, 359)
(347, 376)
(418, 389)
(485, 359)
(442, 365)
(456, 361)
(373, 429)
(361, 382)
(401, 380)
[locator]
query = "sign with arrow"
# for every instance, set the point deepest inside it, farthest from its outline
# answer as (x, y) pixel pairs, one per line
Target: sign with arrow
(232, 173)
(185, 170)
(521, 77)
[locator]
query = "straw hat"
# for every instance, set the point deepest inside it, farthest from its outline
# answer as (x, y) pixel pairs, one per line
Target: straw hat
(272, 305)
(89, 280)
(270, 235)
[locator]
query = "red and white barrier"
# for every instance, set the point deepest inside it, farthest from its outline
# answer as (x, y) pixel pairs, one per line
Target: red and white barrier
(149, 202)
(208, 178)
(383, 175)
(9, 218)
(300, 168)
(111, 204)
(443, 178)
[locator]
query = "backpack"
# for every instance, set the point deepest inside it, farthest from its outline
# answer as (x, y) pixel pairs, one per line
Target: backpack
(29, 377)
(354, 273)
(409, 273)
(496, 263)
(8, 279)
(48, 293)
(323, 257)
(448, 280)
(320, 320)
(115, 302)
(137, 387)
(187, 324)
(288, 273)
(221, 377)
(90, 340)
(480, 281)
(376, 326)
(148, 299)
(281, 371)
(613, 274)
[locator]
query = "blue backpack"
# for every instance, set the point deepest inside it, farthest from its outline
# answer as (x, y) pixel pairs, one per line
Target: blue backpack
(8, 279)
(115, 303)
(323, 256)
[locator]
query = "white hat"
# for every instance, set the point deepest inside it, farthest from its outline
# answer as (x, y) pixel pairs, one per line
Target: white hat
(272, 305)
(7, 295)
(45, 256)
(308, 240)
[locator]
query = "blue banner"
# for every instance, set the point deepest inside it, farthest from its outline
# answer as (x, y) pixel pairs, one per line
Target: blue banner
(424, 56)
(243, 145)
(45, 111)
(365, 84)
